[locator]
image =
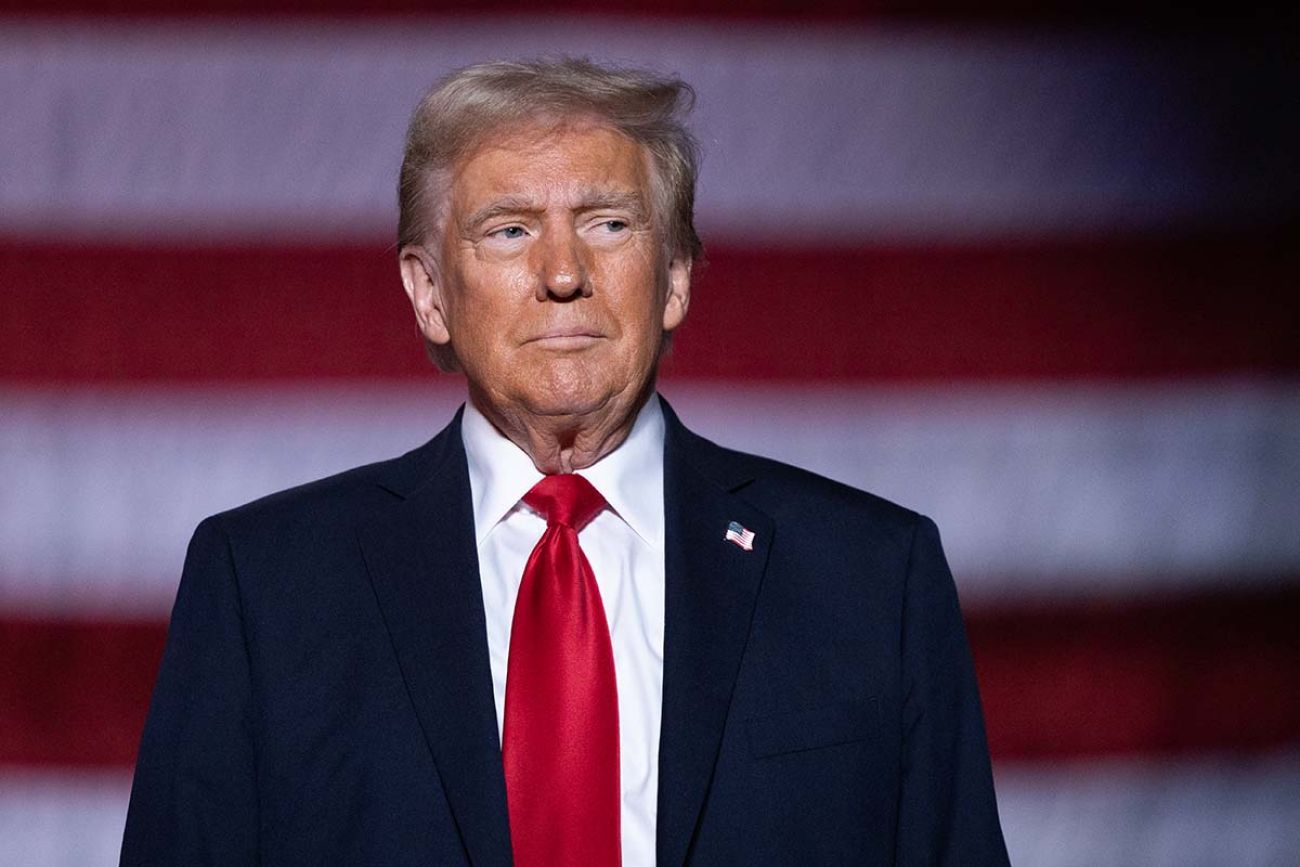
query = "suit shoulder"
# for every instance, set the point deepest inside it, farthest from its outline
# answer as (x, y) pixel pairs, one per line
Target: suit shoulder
(323, 502)
(817, 519)
(780, 488)
(795, 483)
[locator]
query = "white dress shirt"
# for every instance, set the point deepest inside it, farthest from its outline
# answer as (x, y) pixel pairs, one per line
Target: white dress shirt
(625, 546)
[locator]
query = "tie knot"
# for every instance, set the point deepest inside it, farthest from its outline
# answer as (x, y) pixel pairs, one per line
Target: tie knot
(567, 499)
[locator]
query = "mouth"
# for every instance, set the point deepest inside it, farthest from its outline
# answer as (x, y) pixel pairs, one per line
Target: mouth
(565, 338)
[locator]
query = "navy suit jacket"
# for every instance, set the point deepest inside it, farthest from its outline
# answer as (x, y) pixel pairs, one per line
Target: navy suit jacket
(325, 695)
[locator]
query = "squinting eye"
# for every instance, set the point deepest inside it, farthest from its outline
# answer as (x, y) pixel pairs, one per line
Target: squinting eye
(510, 232)
(615, 225)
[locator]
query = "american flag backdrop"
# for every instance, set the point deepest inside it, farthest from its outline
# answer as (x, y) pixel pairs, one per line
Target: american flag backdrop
(1033, 276)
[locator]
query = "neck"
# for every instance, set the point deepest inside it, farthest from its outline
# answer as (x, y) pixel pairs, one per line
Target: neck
(563, 443)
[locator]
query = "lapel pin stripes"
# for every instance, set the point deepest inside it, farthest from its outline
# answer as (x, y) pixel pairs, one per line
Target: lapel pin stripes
(739, 536)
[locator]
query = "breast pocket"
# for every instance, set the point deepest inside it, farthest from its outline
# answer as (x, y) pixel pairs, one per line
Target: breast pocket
(811, 729)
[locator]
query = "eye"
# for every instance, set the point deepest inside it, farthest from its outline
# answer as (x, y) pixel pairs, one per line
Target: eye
(615, 225)
(509, 233)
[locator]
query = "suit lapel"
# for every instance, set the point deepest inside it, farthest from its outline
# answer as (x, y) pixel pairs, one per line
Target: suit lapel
(711, 587)
(423, 564)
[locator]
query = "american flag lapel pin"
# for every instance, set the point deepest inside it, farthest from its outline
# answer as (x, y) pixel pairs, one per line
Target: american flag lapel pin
(740, 537)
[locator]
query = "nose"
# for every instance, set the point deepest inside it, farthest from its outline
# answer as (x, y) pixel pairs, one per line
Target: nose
(563, 274)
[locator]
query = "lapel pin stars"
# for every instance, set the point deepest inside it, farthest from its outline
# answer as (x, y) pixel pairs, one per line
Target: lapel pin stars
(740, 537)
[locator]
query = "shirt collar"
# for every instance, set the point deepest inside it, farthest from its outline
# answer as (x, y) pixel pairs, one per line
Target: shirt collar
(630, 478)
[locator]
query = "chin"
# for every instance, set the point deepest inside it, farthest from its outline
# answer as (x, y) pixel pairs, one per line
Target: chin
(566, 402)
(573, 393)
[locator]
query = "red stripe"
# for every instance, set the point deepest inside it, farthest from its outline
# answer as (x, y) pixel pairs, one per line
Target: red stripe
(1159, 677)
(75, 693)
(1122, 308)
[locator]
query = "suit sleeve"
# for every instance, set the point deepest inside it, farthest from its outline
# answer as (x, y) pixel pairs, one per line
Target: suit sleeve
(194, 797)
(947, 811)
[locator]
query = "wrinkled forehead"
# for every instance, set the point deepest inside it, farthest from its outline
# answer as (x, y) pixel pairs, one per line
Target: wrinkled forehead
(522, 138)
(568, 162)
(535, 135)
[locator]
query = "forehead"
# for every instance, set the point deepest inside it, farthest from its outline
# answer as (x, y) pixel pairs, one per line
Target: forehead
(551, 162)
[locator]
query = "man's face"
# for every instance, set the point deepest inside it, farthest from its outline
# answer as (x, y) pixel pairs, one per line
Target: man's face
(552, 285)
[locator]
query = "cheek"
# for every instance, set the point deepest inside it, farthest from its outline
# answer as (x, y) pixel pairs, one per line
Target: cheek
(489, 303)
(638, 299)
(495, 282)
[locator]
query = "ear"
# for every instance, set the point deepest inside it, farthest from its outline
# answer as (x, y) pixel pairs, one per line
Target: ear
(423, 286)
(679, 293)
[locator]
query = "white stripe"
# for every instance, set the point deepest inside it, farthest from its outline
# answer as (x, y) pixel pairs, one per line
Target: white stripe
(1203, 813)
(1038, 490)
(1053, 489)
(1245, 813)
(62, 819)
(832, 134)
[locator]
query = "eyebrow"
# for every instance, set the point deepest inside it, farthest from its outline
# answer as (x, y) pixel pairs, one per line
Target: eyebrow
(594, 200)
(614, 201)
(504, 205)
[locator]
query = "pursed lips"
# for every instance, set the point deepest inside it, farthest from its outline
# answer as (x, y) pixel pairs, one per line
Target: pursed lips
(566, 338)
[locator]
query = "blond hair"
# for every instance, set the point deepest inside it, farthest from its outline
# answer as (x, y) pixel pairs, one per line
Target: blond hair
(472, 104)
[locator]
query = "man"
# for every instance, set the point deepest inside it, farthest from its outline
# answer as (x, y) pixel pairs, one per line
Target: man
(566, 630)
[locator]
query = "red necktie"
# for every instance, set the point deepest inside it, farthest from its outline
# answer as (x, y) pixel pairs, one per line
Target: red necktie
(560, 740)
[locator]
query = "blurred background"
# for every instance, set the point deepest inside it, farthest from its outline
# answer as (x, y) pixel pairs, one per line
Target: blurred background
(1031, 271)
